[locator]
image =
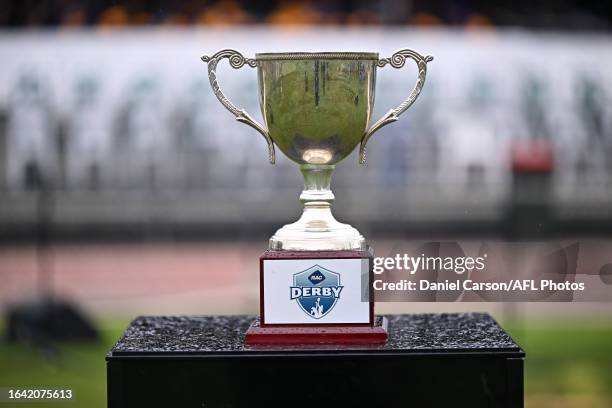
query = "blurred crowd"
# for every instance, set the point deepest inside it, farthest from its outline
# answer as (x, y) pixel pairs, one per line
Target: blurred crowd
(562, 14)
(119, 131)
(120, 136)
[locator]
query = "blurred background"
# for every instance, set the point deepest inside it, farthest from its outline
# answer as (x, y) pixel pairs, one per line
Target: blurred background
(127, 189)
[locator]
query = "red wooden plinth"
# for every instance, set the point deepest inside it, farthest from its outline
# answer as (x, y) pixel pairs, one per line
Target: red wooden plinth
(370, 332)
(296, 335)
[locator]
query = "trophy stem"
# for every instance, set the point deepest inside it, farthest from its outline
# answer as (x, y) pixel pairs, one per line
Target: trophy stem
(317, 229)
(317, 185)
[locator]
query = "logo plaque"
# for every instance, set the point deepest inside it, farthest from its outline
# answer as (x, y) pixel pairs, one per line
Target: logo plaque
(316, 290)
(317, 108)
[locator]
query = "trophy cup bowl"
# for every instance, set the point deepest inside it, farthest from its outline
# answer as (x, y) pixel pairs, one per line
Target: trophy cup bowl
(316, 108)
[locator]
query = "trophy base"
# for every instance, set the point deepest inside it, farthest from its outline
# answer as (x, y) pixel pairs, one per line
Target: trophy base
(299, 335)
(317, 230)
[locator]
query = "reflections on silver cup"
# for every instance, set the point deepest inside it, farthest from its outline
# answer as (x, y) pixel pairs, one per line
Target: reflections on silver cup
(317, 107)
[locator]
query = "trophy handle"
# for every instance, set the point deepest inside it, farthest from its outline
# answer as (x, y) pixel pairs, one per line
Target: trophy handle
(236, 61)
(397, 60)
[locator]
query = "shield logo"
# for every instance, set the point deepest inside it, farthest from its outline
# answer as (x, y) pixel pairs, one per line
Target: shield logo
(316, 290)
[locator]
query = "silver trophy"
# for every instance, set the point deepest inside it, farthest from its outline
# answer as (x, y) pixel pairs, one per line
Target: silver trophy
(317, 108)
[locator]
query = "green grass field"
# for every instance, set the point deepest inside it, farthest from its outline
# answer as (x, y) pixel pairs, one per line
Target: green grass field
(78, 366)
(566, 358)
(569, 364)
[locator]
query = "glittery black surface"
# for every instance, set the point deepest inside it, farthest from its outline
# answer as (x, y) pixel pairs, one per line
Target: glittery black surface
(206, 335)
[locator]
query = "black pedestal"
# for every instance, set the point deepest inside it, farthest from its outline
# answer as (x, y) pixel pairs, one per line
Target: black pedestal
(430, 360)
